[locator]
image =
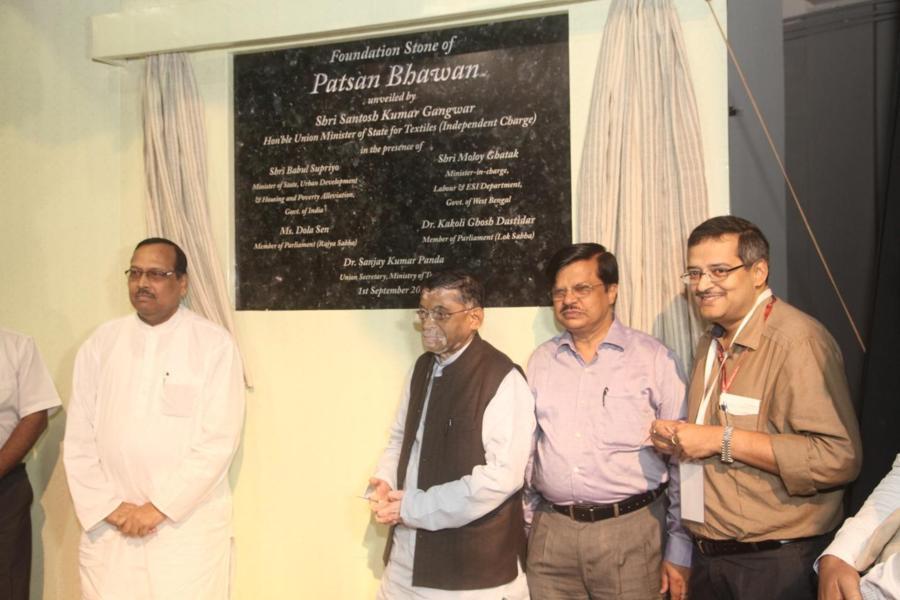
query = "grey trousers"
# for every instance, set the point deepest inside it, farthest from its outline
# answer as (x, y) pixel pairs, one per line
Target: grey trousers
(613, 559)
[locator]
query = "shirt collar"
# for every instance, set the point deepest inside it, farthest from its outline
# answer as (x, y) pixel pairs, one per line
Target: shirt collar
(616, 337)
(163, 327)
(751, 335)
(440, 365)
(753, 331)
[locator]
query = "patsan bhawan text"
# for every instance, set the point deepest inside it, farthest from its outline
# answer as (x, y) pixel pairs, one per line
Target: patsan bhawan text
(397, 74)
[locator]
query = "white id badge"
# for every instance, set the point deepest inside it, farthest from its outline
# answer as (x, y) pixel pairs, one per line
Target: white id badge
(691, 491)
(739, 405)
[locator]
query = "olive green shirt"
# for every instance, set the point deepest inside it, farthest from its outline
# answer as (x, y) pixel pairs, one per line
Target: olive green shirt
(793, 367)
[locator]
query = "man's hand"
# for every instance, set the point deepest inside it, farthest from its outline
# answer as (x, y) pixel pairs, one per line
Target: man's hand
(697, 441)
(388, 513)
(674, 580)
(142, 521)
(662, 434)
(380, 489)
(118, 516)
(837, 580)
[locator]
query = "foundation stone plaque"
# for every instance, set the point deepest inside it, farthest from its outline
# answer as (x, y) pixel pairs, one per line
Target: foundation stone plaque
(362, 167)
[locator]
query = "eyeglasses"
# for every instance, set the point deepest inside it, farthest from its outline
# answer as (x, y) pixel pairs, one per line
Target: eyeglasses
(715, 274)
(154, 275)
(438, 315)
(579, 290)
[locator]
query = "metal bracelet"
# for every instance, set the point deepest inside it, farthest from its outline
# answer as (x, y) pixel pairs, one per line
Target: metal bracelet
(726, 445)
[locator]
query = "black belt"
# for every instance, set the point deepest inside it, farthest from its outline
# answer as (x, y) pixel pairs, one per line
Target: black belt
(597, 512)
(709, 547)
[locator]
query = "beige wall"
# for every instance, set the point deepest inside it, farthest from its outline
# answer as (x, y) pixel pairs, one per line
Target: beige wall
(71, 196)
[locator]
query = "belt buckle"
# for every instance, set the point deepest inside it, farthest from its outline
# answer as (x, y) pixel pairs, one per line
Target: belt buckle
(572, 512)
(616, 510)
(700, 546)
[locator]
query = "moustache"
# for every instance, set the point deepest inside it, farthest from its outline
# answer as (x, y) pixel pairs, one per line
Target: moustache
(145, 293)
(432, 333)
(705, 294)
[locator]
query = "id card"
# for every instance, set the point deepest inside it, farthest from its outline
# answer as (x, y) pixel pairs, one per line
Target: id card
(692, 507)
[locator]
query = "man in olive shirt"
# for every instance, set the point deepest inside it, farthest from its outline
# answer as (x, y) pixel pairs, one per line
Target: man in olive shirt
(771, 435)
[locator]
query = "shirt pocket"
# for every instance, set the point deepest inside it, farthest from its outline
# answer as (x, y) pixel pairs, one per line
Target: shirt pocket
(180, 399)
(742, 411)
(625, 420)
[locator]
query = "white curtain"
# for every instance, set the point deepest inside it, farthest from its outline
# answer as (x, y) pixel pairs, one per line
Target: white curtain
(175, 165)
(642, 188)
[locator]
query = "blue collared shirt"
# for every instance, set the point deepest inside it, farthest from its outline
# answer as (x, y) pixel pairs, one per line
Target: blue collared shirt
(593, 440)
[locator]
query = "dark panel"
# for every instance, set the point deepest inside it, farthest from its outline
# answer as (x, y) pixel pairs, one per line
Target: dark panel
(831, 155)
(842, 71)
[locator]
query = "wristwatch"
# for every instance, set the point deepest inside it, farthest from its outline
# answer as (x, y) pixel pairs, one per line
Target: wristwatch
(726, 445)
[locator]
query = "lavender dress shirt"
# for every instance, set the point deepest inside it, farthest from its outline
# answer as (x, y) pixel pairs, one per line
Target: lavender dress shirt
(593, 439)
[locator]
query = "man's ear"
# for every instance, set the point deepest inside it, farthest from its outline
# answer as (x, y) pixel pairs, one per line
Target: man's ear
(760, 272)
(477, 316)
(612, 292)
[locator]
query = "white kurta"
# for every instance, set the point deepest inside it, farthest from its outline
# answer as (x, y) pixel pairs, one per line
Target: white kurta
(877, 518)
(506, 433)
(155, 416)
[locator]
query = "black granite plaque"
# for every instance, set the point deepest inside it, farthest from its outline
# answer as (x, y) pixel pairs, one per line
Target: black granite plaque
(363, 167)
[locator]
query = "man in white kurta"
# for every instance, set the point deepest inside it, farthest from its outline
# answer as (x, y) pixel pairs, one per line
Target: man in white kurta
(154, 420)
(863, 561)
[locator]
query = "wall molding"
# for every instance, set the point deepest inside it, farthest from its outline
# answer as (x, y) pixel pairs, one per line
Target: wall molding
(218, 24)
(842, 17)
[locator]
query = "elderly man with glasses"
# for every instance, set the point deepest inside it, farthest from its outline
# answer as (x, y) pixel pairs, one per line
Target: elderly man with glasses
(605, 520)
(771, 435)
(449, 482)
(155, 417)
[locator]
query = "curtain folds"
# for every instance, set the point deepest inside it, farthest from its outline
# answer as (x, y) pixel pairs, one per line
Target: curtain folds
(175, 166)
(642, 187)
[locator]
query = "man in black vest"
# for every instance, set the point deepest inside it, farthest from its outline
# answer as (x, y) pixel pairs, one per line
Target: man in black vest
(450, 481)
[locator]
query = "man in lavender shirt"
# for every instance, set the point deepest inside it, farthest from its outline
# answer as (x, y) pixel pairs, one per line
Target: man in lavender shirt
(605, 504)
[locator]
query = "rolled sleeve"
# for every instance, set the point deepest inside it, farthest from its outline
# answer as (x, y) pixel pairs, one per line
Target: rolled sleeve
(792, 453)
(817, 444)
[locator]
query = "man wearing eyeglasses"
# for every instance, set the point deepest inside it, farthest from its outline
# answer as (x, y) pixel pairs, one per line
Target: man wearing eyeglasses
(771, 435)
(449, 482)
(155, 417)
(605, 505)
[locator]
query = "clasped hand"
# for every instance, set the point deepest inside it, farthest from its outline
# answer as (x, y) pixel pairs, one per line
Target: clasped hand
(385, 502)
(136, 521)
(685, 440)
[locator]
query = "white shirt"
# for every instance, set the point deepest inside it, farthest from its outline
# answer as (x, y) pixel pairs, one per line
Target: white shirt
(850, 544)
(25, 383)
(507, 430)
(155, 416)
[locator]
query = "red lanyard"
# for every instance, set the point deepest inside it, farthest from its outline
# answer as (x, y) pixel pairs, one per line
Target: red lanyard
(720, 355)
